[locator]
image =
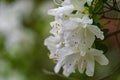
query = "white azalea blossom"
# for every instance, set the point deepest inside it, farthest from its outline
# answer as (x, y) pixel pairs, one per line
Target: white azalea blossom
(73, 36)
(82, 2)
(80, 33)
(56, 27)
(72, 61)
(54, 44)
(61, 12)
(78, 4)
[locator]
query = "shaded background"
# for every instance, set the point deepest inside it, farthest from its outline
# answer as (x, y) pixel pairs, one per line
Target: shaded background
(24, 24)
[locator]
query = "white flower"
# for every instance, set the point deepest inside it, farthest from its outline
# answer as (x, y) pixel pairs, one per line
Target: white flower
(78, 4)
(72, 61)
(80, 33)
(56, 27)
(61, 11)
(54, 44)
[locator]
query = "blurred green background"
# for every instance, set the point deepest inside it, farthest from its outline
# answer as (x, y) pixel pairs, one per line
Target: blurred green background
(24, 25)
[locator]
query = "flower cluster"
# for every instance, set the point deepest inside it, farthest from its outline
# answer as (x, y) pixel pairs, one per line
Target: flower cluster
(73, 36)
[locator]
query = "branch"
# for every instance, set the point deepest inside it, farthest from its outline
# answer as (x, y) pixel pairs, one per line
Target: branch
(110, 18)
(47, 72)
(103, 12)
(111, 7)
(112, 34)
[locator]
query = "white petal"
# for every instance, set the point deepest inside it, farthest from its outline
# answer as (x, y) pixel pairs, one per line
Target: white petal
(79, 5)
(59, 22)
(102, 59)
(48, 42)
(87, 39)
(65, 73)
(68, 69)
(69, 65)
(58, 66)
(61, 10)
(95, 30)
(82, 53)
(56, 27)
(65, 51)
(90, 65)
(77, 20)
(51, 43)
(99, 56)
(51, 40)
(52, 12)
(70, 25)
(87, 20)
(81, 65)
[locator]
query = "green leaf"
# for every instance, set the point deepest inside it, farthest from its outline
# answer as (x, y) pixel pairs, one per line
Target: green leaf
(101, 46)
(105, 31)
(98, 6)
(96, 19)
(9, 1)
(91, 10)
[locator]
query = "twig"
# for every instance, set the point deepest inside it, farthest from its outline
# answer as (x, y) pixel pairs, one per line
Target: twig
(103, 12)
(111, 7)
(110, 18)
(52, 73)
(112, 34)
(117, 40)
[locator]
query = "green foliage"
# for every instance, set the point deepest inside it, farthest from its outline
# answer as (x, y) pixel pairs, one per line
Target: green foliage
(105, 31)
(8, 1)
(1, 42)
(101, 46)
(98, 6)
